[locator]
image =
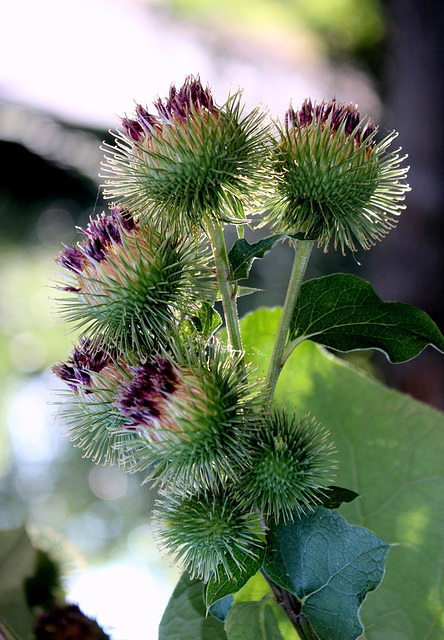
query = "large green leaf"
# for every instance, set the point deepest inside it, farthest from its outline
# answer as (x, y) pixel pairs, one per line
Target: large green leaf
(185, 615)
(343, 312)
(252, 621)
(17, 563)
(330, 566)
(390, 451)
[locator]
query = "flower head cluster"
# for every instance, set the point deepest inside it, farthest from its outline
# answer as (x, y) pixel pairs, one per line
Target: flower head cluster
(183, 419)
(130, 283)
(334, 180)
(150, 385)
(191, 161)
(195, 424)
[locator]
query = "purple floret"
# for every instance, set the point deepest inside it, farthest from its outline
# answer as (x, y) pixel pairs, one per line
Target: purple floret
(71, 258)
(192, 96)
(152, 382)
(87, 357)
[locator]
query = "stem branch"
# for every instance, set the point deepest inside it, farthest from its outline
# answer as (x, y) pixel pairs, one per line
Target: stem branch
(226, 287)
(303, 250)
(292, 607)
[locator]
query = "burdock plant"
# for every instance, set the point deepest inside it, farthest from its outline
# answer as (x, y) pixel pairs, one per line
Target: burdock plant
(157, 384)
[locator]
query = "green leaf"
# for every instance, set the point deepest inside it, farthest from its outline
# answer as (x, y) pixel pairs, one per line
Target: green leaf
(217, 589)
(208, 320)
(242, 253)
(252, 621)
(343, 312)
(17, 563)
(334, 496)
(389, 450)
(330, 566)
(185, 615)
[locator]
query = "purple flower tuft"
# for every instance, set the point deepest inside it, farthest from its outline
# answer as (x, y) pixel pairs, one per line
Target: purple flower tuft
(87, 357)
(143, 124)
(141, 401)
(335, 115)
(106, 230)
(101, 232)
(192, 96)
(71, 258)
(133, 129)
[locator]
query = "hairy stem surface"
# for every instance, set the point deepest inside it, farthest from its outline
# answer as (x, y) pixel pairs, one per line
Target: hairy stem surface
(292, 607)
(226, 287)
(303, 249)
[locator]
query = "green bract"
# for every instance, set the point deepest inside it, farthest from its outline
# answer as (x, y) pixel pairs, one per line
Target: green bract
(334, 181)
(192, 162)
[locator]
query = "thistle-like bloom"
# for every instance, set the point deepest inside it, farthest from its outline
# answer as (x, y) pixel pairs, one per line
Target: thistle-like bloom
(290, 462)
(129, 283)
(190, 162)
(184, 420)
(193, 416)
(207, 532)
(334, 180)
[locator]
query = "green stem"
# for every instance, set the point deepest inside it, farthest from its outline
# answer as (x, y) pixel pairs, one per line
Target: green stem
(292, 607)
(303, 250)
(227, 289)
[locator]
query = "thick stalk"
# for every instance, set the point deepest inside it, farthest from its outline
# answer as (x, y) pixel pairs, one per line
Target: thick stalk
(303, 250)
(292, 607)
(226, 288)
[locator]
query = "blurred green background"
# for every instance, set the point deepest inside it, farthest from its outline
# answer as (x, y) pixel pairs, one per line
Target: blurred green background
(68, 70)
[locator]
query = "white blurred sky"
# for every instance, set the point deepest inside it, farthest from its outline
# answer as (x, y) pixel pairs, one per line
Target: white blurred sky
(87, 61)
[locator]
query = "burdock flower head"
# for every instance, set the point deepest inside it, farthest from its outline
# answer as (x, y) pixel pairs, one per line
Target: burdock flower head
(207, 533)
(131, 284)
(334, 180)
(192, 415)
(290, 463)
(191, 161)
(184, 420)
